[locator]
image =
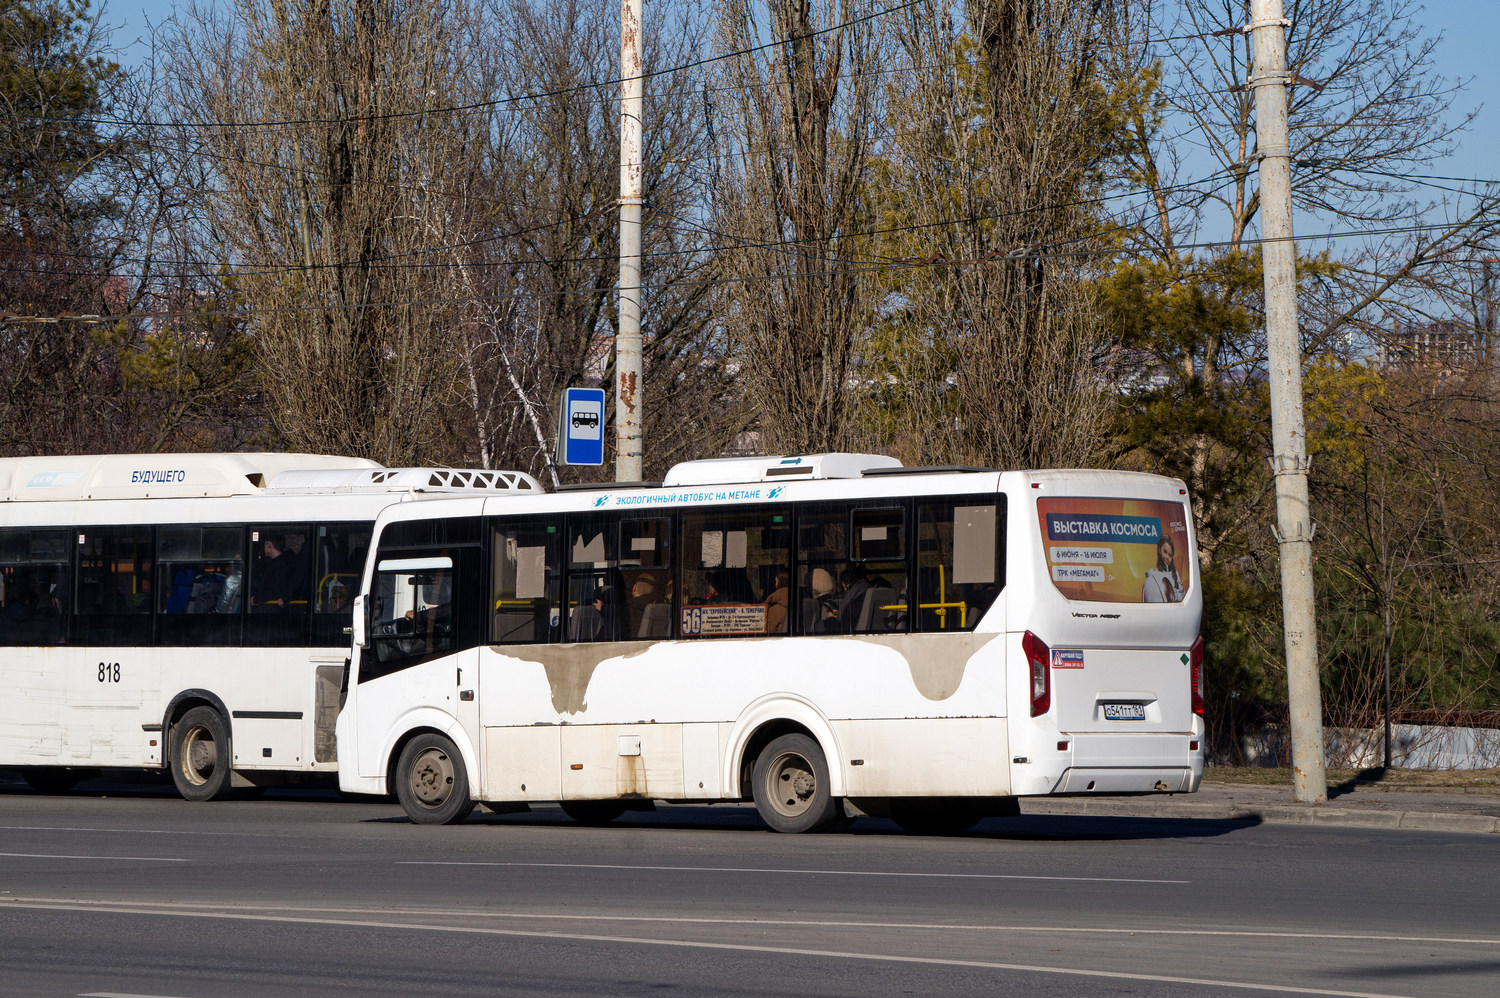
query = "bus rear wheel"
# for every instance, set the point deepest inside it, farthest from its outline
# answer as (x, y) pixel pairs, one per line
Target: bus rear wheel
(201, 756)
(431, 782)
(791, 787)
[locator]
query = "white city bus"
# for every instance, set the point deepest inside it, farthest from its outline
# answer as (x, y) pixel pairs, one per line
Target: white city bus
(186, 610)
(825, 635)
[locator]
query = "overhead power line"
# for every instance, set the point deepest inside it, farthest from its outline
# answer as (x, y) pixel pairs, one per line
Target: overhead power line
(476, 105)
(384, 261)
(1047, 250)
(541, 95)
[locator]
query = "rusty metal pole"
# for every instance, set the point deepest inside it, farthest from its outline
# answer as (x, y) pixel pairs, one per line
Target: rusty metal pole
(628, 380)
(1269, 78)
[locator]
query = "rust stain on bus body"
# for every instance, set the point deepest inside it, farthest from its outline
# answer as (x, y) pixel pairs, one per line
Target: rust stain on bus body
(630, 776)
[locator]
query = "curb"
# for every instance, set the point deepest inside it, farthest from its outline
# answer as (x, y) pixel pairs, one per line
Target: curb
(1418, 820)
(1285, 814)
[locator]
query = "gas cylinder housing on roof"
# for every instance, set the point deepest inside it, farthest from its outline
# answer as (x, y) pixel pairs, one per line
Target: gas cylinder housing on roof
(154, 476)
(196, 476)
(324, 481)
(736, 470)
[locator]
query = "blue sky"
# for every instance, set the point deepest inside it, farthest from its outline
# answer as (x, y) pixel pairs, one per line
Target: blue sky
(1469, 29)
(1468, 51)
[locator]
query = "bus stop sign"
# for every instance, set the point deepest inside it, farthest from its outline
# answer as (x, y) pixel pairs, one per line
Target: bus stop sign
(580, 426)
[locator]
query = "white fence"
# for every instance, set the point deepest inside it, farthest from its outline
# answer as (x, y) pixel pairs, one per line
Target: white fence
(1413, 746)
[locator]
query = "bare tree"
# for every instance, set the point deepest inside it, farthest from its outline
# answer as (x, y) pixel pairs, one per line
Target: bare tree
(1369, 110)
(88, 203)
(1002, 144)
(1368, 107)
(535, 246)
(320, 120)
(799, 114)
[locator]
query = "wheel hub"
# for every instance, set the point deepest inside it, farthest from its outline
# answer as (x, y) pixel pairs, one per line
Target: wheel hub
(432, 777)
(795, 785)
(201, 757)
(804, 786)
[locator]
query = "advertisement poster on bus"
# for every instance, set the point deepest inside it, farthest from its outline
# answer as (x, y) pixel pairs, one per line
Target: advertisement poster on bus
(1116, 550)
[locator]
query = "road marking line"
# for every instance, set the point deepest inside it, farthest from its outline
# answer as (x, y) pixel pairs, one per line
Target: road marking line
(827, 873)
(1116, 975)
(123, 859)
(123, 831)
(788, 922)
(118, 994)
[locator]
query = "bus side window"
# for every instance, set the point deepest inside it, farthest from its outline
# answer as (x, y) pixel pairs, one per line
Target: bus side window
(279, 604)
(646, 565)
(822, 553)
(338, 561)
(413, 611)
(734, 572)
(525, 578)
(595, 589)
(426, 595)
(851, 569)
(114, 586)
(874, 601)
(959, 567)
(35, 571)
(200, 579)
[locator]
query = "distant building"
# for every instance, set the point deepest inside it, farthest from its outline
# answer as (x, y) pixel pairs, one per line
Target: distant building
(1442, 344)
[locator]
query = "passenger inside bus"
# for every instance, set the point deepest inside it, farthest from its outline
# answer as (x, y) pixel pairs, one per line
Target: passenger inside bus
(843, 616)
(818, 600)
(777, 604)
(601, 618)
(648, 610)
(276, 580)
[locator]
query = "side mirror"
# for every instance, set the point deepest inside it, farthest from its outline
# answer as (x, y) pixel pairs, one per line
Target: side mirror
(361, 622)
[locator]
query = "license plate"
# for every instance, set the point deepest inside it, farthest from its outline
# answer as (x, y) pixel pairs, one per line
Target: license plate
(1124, 712)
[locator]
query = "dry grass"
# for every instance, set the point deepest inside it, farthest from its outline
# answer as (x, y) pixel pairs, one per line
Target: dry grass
(1261, 776)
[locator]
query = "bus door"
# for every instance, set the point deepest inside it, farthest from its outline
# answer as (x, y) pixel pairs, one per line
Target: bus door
(119, 672)
(41, 668)
(422, 655)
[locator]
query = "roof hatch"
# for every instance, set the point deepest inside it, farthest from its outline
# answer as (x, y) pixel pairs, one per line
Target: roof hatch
(733, 470)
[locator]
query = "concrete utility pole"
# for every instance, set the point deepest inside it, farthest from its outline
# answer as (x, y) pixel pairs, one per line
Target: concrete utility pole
(1269, 80)
(628, 380)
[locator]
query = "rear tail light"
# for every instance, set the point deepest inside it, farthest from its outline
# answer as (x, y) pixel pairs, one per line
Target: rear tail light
(1196, 659)
(1041, 676)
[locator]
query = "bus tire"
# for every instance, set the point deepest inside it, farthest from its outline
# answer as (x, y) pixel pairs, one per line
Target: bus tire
(431, 782)
(791, 787)
(50, 779)
(593, 812)
(201, 755)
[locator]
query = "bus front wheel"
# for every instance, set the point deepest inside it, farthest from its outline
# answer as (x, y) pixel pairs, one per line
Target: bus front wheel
(431, 782)
(201, 758)
(791, 787)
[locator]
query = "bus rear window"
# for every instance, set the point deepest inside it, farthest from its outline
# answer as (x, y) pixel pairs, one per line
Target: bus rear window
(1117, 550)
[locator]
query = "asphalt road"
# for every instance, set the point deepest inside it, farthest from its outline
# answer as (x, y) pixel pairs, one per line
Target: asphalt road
(137, 893)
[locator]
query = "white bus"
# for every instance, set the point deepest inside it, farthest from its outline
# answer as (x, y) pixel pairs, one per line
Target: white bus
(827, 635)
(186, 610)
